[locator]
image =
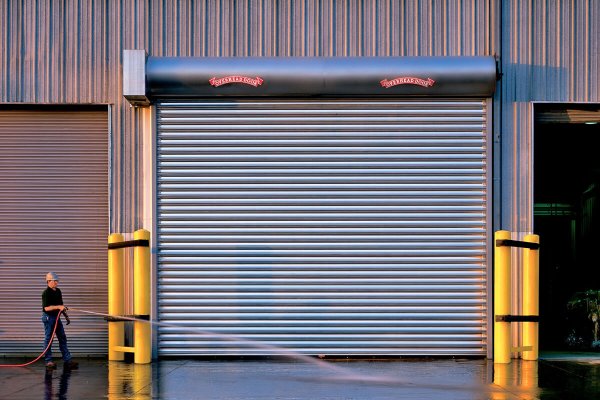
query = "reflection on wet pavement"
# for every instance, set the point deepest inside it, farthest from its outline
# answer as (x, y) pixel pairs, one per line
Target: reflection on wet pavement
(129, 380)
(428, 378)
(63, 384)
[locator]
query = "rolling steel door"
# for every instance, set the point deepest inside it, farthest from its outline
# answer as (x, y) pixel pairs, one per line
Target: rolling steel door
(53, 217)
(329, 227)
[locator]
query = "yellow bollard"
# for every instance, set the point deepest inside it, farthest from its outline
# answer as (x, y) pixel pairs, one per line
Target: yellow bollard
(531, 306)
(141, 299)
(502, 285)
(116, 294)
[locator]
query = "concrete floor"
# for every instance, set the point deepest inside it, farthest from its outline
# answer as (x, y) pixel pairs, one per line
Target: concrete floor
(555, 376)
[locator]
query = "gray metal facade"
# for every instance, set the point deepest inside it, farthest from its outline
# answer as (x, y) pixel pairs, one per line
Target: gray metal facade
(70, 52)
(549, 53)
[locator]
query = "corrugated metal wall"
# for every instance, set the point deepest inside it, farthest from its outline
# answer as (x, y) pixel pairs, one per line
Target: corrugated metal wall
(70, 51)
(550, 52)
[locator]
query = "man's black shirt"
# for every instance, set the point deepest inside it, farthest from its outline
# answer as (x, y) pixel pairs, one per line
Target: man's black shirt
(51, 298)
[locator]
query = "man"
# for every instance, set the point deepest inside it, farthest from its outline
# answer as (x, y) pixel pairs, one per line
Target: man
(52, 304)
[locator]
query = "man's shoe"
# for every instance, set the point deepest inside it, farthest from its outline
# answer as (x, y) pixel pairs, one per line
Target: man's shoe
(50, 365)
(71, 364)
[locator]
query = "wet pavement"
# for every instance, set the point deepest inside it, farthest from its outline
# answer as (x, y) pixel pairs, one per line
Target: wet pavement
(555, 376)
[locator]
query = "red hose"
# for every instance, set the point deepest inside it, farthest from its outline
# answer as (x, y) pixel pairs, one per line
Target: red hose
(45, 350)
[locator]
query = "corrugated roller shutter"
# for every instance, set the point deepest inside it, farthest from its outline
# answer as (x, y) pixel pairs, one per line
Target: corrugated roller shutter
(53, 217)
(327, 227)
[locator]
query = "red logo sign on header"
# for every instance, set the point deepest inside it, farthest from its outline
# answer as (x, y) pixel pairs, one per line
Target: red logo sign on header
(216, 82)
(407, 80)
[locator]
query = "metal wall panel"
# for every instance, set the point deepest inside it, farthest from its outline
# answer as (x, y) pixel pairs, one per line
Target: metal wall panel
(329, 227)
(70, 52)
(64, 52)
(549, 53)
(53, 217)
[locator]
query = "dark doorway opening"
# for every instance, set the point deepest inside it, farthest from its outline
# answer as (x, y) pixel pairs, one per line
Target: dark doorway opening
(567, 218)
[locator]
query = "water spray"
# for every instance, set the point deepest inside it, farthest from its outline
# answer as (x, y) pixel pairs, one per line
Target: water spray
(339, 373)
(283, 352)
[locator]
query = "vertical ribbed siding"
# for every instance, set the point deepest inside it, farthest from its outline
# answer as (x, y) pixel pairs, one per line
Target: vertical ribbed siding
(329, 227)
(65, 52)
(549, 53)
(71, 51)
(565, 67)
(53, 217)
